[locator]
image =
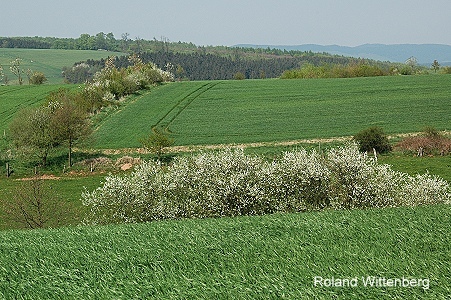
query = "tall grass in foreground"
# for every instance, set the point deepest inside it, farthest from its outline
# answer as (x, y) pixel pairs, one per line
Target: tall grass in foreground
(261, 257)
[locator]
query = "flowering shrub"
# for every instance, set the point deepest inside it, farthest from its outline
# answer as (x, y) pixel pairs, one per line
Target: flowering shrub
(112, 83)
(213, 185)
(230, 183)
(300, 179)
(359, 181)
(125, 199)
(424, 189)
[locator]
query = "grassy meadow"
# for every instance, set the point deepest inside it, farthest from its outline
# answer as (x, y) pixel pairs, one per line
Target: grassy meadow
(48, 61)
(274, 256)
(13, 98)
(270, 257)
(281, 110)
(214, 112)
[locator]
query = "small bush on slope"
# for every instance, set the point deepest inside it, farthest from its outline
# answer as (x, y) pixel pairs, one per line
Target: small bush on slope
(230, 183)
(373, 138)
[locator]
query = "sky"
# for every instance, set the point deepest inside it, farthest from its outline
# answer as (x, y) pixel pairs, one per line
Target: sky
(231, 22)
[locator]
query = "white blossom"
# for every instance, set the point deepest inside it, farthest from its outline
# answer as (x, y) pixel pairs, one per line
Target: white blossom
(231, 183)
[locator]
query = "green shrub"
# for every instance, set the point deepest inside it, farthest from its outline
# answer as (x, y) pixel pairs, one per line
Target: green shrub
(239, 76)
(406, 70)
(447, 70)
(38, 78)
(335, 71)
(157, 141)
(373, 138)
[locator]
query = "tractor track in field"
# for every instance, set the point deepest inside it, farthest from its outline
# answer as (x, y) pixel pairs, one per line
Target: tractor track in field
(182, 104)
(8, 114)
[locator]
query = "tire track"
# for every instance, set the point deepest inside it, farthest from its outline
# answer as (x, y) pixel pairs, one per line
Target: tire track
(9, 113)
(181, 105)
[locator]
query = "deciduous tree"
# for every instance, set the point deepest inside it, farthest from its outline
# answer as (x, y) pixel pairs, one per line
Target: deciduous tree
(157, 141)
(69, 122)
(412, 62)
(31, 130)
(36, 205)
(435, 66)
(41, 129)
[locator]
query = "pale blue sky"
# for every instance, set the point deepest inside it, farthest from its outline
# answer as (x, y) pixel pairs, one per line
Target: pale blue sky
(230, 22)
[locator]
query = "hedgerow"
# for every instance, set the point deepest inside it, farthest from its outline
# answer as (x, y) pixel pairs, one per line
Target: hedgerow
(110, 83)
(231, 183)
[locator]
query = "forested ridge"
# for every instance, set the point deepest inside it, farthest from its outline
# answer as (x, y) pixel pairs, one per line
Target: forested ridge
(186, 60)
(207, 66)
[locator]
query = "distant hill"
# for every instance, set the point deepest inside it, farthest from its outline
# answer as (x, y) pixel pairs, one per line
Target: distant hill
(425, 53)
(48, 61)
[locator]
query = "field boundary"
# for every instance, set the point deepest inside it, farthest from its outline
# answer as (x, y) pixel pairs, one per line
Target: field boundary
(194, 148)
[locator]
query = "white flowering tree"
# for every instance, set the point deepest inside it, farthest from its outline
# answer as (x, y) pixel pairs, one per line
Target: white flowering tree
(2, 75)
(16, 69)
(412, 62)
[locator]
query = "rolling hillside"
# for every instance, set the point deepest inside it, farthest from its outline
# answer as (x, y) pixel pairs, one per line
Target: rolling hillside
(15, 98)
(216, 112)
(48, 61)
(221, 112)
(274, 256)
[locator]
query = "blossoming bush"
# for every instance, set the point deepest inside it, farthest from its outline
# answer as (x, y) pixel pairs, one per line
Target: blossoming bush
(359, 181)
(300, 179)
(111, 83)
(213, 185)
(231, 183)
(424, 189)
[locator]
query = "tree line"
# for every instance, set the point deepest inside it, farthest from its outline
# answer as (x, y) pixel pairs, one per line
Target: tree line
(84, 42)
(188, 61)
(209, 66)
(107, 41)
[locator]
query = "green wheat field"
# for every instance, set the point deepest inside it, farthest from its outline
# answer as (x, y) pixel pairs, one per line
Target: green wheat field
(264, 257)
